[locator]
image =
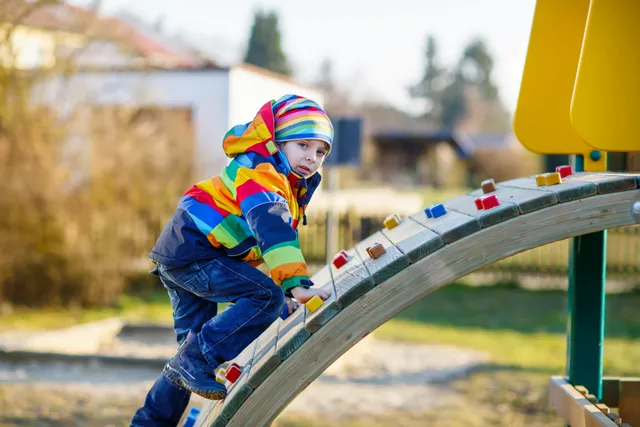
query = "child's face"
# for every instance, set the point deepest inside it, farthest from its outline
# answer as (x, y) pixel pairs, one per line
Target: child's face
(305, 155)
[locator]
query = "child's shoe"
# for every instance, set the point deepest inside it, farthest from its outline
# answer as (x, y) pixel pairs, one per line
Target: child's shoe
(189, 369)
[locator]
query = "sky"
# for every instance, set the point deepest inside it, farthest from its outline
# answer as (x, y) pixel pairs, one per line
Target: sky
(377, 51)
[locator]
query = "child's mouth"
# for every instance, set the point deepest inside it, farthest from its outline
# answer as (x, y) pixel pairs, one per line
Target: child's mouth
(304, 170)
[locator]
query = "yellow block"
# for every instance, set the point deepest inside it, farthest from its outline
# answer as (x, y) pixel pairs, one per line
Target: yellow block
(552, 178)
(605, 106)
(314, 303)
(546, 179)
(541, 121)
(220, 376)
(391, 221)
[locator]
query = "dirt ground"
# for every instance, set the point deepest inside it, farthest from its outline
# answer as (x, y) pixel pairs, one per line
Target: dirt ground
(374, 377)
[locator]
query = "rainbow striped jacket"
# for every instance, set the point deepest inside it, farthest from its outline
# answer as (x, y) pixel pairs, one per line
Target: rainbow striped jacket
(250, 212)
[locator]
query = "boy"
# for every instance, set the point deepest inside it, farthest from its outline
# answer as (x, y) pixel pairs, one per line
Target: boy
(222, 229)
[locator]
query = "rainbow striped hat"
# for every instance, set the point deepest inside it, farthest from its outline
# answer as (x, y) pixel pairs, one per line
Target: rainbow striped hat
(297, 117)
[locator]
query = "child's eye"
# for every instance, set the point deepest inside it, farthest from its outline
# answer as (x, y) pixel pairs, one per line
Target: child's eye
(322, 153)
(302, 144)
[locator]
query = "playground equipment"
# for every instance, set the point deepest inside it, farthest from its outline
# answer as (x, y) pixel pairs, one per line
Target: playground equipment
(421, 255)
(576, 98)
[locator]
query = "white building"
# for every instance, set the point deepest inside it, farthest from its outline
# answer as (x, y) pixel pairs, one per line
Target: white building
(218, 97)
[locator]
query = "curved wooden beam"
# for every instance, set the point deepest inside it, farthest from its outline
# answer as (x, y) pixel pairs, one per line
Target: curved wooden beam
(538, 220)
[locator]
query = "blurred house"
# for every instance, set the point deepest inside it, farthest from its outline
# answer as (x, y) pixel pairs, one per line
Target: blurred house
(59, 35)
(214, 98)
(113, 73)
(407, 151)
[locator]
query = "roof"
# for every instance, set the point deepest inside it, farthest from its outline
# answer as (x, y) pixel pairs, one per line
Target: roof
(425, 137)
(64, 17)
(464, 144)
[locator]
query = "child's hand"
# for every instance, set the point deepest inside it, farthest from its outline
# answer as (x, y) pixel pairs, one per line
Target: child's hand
(302, 295)
(292, 305)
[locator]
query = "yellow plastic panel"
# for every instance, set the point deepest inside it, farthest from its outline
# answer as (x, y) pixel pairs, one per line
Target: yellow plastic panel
(606, 99)
(542, 120)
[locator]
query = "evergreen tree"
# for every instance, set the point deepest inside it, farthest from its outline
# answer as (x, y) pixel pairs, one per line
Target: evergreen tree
(428, 88)
(264, 48)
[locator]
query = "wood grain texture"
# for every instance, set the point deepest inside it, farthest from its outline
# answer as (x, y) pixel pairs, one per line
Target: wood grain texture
(387, 265)
(352, 280)
(606, 182)
(292, 334)
(418, 280)
(527, 200)
(236, 397)
(237, 392)
(451, 227)
(315, 320)
(208, 414)
(573, 407)
(465, 204)
(566, 192)
(265, 359)
(413, 239)
(628, 401)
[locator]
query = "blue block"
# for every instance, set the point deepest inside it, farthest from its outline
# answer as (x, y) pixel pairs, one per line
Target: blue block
(192, 417)
(428, 212)
(438, 210)
(285, 312)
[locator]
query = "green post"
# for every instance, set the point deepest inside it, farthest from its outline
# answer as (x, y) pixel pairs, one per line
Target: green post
(586, 305)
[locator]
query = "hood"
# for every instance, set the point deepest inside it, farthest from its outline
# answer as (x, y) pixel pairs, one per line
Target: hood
(257, 137)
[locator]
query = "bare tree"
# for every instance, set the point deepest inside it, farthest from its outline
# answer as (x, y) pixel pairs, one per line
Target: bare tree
(77, 208)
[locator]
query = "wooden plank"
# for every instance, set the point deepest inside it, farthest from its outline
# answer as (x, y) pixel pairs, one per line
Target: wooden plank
(388, 264)
(236, 397)
(573, 407)
(451, 227)
(219, 421)
(238, 392)
(465, 204)
(414, 239)
(629, 401)
(330, 308)
(527, 200)
(563, 398)
(292, 334)
(566, 192)
(214, 419)
(265, 359)
(594, 417)
(610, 387)
(352, 280)
(420, 279)
(606, 182)
(208, 413)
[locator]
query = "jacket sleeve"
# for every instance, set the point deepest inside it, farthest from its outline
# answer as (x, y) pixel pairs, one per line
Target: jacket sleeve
(260, 192)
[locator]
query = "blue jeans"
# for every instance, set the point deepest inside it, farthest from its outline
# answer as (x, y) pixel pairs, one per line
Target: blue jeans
(195, 291)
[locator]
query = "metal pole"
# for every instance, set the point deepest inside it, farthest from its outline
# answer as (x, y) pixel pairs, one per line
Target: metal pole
(586, 305)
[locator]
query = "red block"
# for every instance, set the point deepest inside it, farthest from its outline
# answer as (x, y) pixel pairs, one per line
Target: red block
(565, 170)
(343, 252)
(233, 373)
(478, 203)
(490, 202)
(340, 260)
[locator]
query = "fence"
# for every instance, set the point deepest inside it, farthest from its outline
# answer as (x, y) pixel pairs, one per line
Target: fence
(623, 248)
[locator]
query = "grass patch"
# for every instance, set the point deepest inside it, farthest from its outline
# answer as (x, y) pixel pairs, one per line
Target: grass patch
(517, 327)
(523, 331)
